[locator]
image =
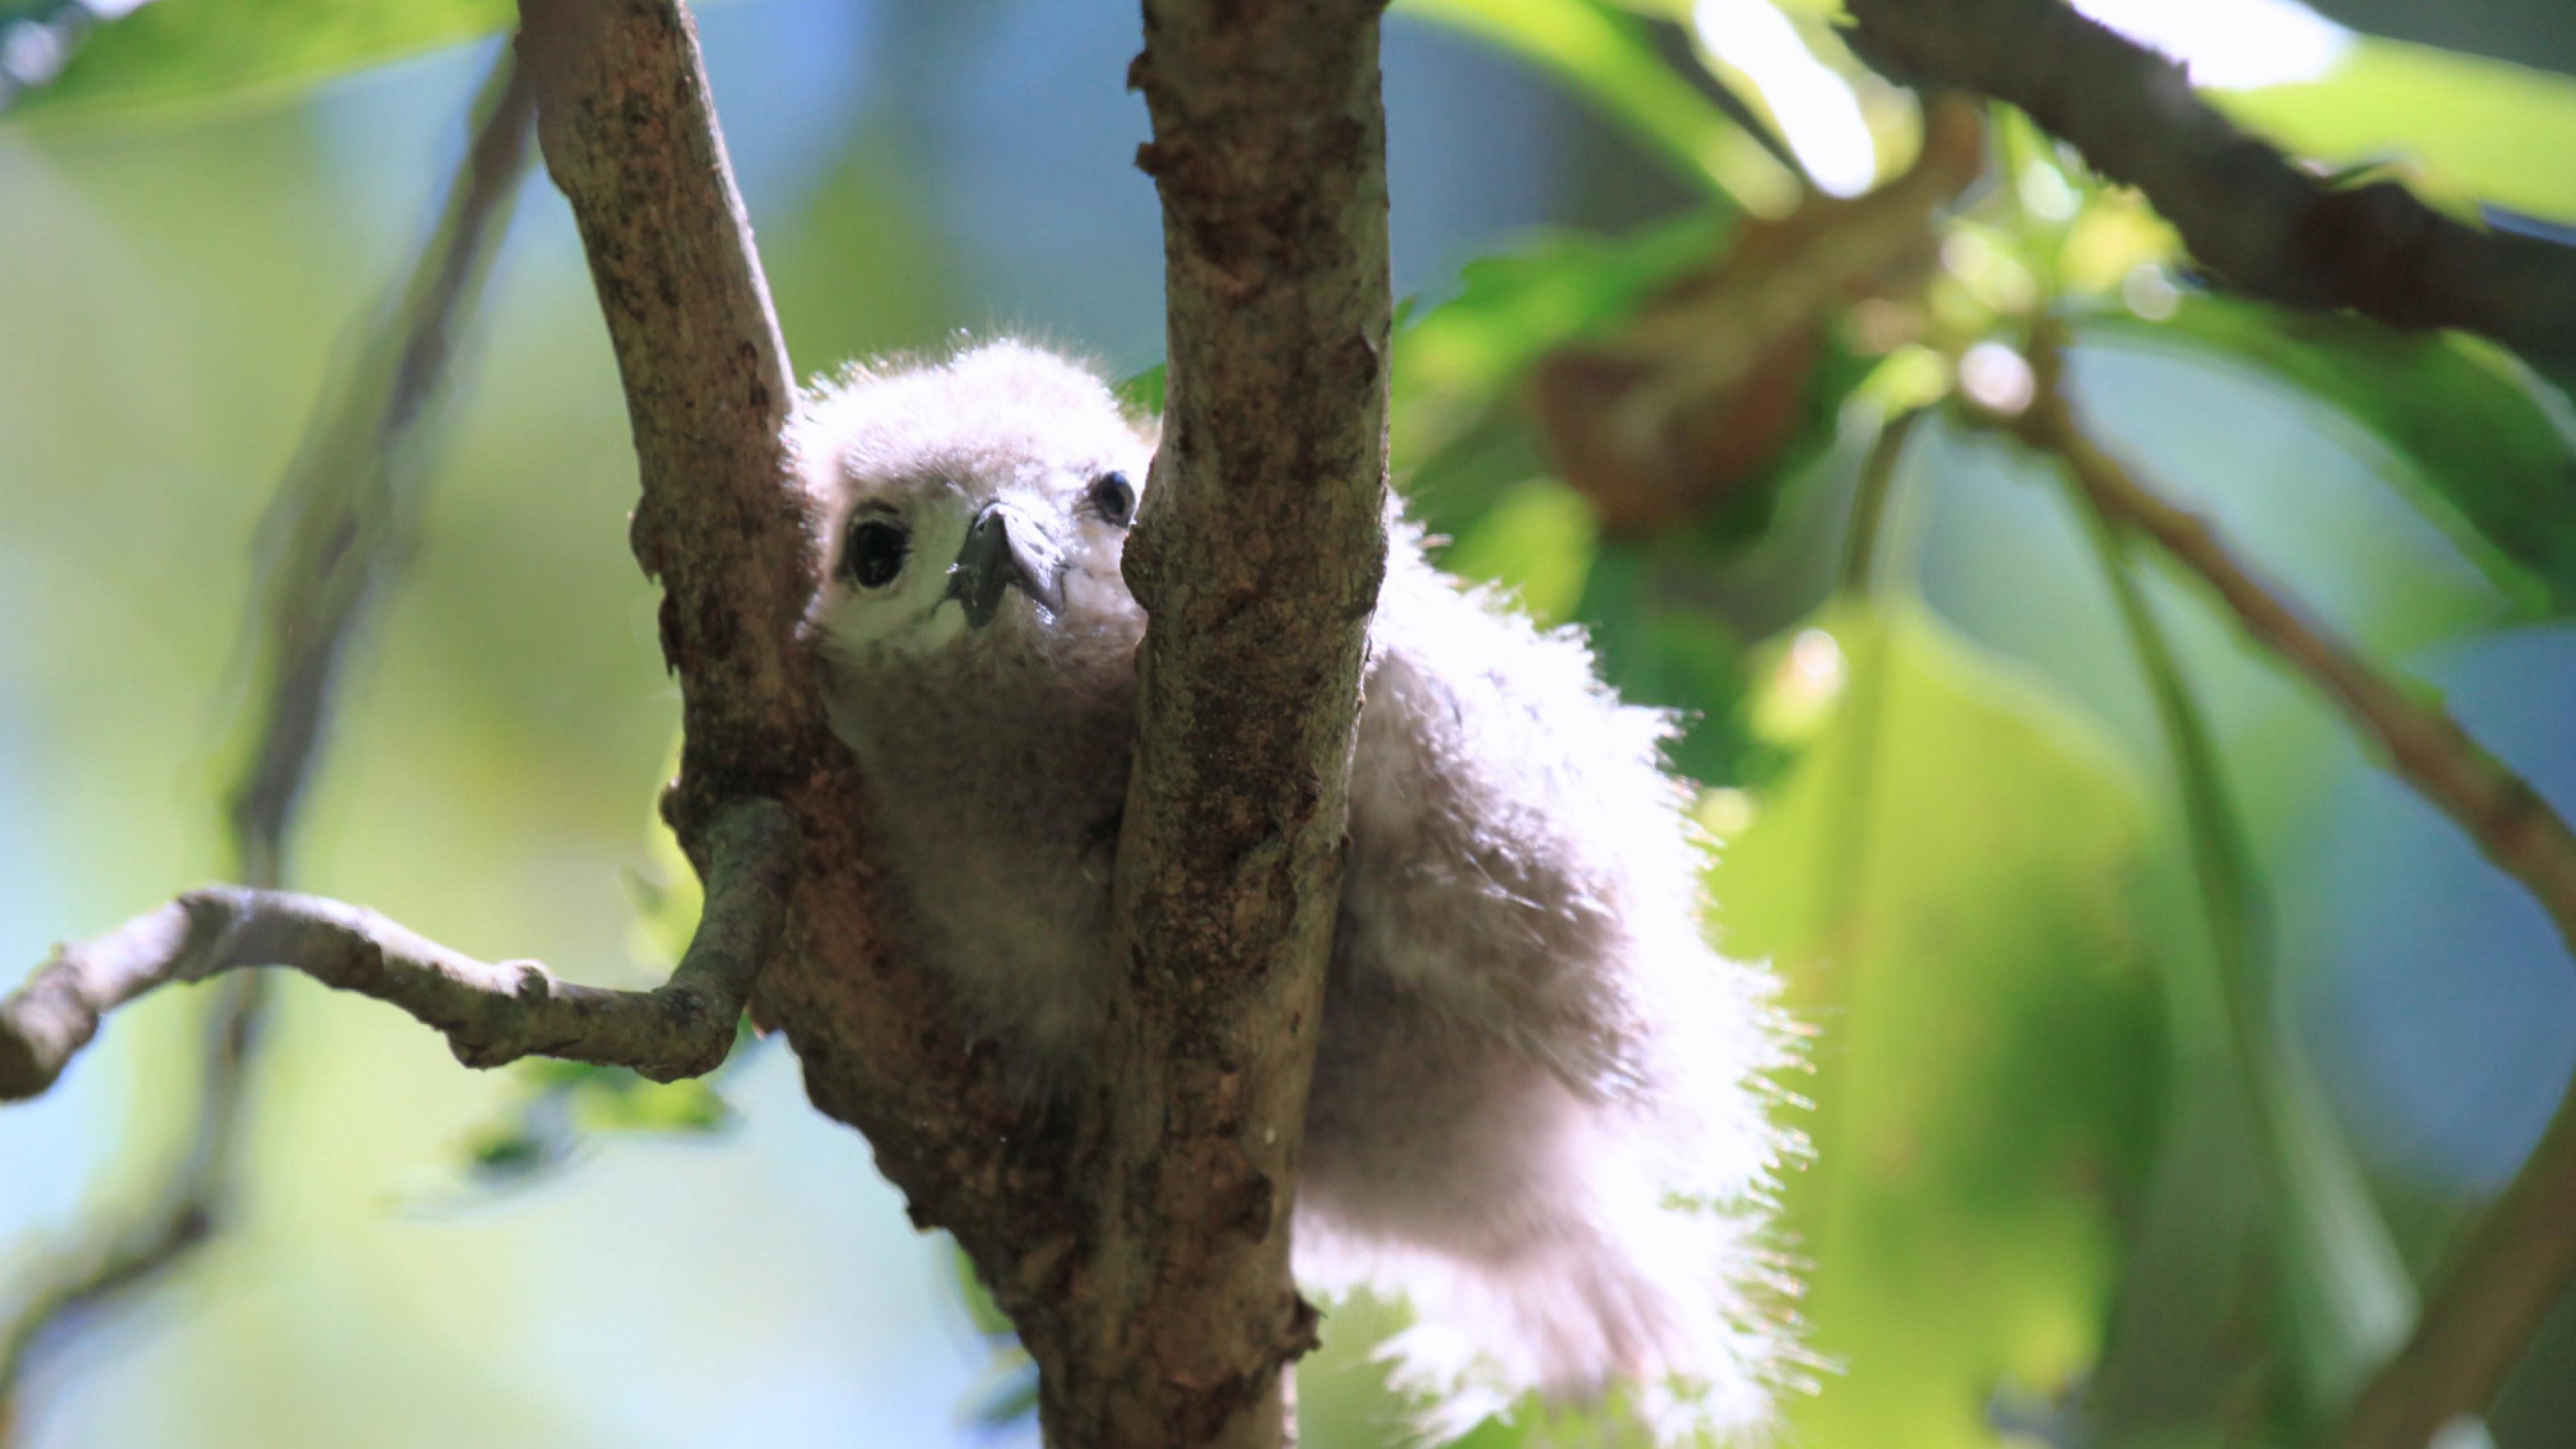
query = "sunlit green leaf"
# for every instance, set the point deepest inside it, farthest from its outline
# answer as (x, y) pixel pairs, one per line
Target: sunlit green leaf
(1945, 880)
(1537, 542)
(2487, 449)
(1461, 441)
(1142, 394)
(636, 1105)
(1608, 58)
(174, 52)
(2501, 131)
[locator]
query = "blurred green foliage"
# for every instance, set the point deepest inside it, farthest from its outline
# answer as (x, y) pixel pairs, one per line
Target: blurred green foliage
(182, 53)
(1947, 878)
(2025, 1093)
(2486, 448)
(2463, 127)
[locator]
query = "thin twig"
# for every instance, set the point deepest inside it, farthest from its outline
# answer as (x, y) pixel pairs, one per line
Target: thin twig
(2517, 1261)
(344, 517)
(491, 1013)
(2270, 228)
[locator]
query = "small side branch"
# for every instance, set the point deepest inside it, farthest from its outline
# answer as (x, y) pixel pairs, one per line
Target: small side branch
(491, 1013)
(2271, 229)
(2501, 1279)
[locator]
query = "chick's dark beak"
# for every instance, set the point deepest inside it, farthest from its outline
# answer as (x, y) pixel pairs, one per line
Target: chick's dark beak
(1005, 549)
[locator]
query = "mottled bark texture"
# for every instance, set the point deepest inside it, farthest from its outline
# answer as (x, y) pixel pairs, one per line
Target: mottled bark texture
(2266, 226)
(1257, 559)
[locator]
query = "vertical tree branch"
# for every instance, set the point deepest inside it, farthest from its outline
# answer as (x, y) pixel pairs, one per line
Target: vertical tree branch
(1257, 560)
(344, 518)
(705, 370)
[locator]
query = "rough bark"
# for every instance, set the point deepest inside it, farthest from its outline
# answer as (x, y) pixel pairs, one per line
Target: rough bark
(1257, 559)
(629, 134)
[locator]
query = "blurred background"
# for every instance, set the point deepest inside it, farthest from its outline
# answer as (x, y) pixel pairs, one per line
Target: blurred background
(2146, 1078)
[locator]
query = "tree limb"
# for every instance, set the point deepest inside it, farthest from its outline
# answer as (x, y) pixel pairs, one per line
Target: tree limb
(629, 133)
(491, 1013)
(1257, 560)
(2270, 228)
(2516, 1262)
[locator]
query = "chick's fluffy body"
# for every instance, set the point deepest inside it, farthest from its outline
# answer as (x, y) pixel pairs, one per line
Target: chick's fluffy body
(1537, 1109)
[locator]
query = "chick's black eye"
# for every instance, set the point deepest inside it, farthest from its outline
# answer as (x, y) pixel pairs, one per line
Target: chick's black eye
(876, 552)
(1113, 497)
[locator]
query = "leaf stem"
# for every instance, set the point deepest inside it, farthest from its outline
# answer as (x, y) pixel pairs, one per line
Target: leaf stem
(2341, 1264)
(1869, 502)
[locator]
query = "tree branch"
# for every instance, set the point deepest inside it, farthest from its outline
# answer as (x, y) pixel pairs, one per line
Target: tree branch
(2515, 1263)
(1257, 560)
(629, 133)
(2247, 212)
(492, 1014)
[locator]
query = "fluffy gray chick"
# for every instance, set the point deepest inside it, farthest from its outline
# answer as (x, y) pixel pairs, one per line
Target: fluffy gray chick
(1538, 1105)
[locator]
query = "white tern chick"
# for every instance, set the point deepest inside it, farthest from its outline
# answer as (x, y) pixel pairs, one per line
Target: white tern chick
(1538, 1103)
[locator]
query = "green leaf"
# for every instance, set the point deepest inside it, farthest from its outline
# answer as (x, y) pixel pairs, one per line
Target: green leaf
(176, 53)
(1944, 878)
(1142, 394)
(981, 1310)
(1513, 306)
(1661, 644)
(1607, 57)
(625, 1102)
(2501, 131)
(2485, 447)
(1536, 542)
(1461, 439)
